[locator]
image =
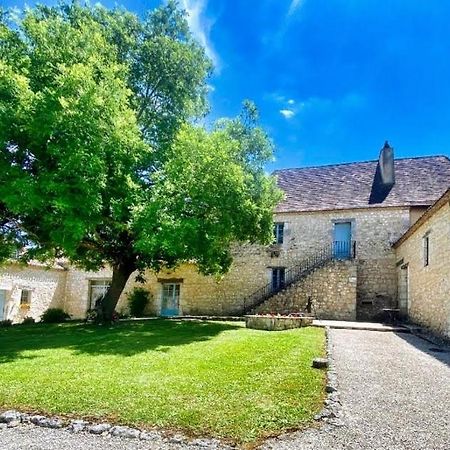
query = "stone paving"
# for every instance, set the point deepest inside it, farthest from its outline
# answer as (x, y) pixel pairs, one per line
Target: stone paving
(369, 326)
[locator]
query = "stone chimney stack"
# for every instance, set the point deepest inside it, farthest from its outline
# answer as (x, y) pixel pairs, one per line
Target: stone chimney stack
(386, 165)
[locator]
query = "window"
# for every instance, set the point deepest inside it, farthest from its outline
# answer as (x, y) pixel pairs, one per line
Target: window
(97, 289)
(25, 297)
(426, 250)
(278, 231)
(278, 278)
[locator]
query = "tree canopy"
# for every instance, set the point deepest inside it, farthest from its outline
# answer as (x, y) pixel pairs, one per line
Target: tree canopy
(102, 159)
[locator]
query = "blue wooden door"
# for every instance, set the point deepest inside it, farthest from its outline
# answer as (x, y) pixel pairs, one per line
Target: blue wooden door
(170, 302)
(342, 246)
(2, 304)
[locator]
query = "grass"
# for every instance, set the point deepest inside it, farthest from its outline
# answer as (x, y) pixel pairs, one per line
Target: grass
(205, 378)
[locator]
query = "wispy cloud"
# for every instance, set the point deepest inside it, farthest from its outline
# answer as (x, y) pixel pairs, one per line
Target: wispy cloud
(294, 6)
(287, 113)
(200, 26)
(289, 107)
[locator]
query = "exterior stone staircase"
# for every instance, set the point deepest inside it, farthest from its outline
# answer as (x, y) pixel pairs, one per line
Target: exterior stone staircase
(324, 281)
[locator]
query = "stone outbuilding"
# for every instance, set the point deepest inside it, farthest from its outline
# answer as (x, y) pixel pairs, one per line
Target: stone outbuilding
(423, 267)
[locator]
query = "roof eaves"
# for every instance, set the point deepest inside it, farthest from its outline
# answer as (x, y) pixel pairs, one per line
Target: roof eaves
(424, 217)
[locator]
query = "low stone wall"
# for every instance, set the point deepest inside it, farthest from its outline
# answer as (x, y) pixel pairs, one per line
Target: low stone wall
(331, 289)
(276, 323)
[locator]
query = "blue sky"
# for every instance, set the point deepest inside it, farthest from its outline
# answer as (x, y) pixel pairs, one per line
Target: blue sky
(333, 79)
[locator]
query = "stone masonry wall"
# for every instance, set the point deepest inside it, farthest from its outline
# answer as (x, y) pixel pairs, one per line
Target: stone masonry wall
(429, 286)
(305, 233)
(47, 288)
(331, 288)
(374, 230)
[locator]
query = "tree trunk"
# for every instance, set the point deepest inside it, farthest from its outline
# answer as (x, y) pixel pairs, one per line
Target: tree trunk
(121, 273)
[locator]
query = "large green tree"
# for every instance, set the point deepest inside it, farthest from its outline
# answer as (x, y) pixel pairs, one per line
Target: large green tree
(102, 160)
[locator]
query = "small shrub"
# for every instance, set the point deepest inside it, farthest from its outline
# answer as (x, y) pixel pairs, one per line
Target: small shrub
(54, 315)
(28, 321)
(5, 323)
(138, 299)
(123, 314)
(91, 315)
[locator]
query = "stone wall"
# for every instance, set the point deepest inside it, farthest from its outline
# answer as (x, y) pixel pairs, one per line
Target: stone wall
(47, 287)
(426, 293)
(305, 233)
(374, 230)
(332, 290)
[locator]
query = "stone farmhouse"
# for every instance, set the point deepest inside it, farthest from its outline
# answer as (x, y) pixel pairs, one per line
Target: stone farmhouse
(350, 241)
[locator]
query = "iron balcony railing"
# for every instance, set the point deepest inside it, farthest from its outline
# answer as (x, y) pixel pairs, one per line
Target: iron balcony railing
(337, 250)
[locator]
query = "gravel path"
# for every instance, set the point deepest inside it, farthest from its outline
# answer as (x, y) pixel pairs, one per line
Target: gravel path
(395, 394)
(31, 437)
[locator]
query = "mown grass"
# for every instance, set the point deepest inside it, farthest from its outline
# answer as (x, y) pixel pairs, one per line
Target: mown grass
(205, 378)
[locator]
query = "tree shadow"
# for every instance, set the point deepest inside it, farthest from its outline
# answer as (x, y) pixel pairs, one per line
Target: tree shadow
(124, 338)
(439, 352)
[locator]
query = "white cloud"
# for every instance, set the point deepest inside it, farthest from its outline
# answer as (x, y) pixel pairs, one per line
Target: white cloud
(200, 27)
(291, 101)
(294, 6)
(287, 113)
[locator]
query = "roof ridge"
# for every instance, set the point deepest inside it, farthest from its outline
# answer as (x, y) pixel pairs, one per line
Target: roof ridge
(358, 162)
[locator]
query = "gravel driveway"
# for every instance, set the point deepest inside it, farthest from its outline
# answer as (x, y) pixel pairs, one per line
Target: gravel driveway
(395, 394)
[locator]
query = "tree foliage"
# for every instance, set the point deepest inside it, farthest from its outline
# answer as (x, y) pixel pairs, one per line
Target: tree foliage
(101, 159)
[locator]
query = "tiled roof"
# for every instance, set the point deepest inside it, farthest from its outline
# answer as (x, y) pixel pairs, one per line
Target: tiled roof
(418, 182)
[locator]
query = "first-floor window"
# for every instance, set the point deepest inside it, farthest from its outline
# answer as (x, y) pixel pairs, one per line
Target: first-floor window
(97, 289)
(278, 278)
(25, 297)
(426, 250)
(278, 231)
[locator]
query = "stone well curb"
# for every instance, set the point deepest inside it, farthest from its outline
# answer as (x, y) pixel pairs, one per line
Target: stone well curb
(13, 418)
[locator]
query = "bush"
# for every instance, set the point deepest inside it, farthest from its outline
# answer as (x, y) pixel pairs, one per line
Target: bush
(5, 323)
(138, 299)
(28, 321)
(54, 315)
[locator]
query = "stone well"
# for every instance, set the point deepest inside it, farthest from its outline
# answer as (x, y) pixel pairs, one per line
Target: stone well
(276, 323)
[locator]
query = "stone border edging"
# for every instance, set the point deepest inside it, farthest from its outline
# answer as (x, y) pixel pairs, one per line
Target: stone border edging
(331, 414)
(332, 410)
(13, 418)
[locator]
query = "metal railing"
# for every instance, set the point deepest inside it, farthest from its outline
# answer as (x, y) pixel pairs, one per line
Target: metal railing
(337, 250)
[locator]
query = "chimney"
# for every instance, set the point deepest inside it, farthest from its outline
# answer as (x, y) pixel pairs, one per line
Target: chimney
(386, 165)
(384, 178)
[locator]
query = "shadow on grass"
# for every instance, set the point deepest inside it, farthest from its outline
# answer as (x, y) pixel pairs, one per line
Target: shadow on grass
(441, 353)
(125, 338)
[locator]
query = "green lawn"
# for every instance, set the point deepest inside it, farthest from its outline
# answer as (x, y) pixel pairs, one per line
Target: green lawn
(205, 378)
